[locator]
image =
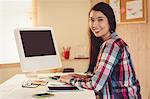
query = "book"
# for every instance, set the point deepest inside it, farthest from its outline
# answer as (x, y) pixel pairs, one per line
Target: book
(61, 87)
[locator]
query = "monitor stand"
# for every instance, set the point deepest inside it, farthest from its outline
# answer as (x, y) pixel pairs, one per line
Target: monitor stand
(31, 75)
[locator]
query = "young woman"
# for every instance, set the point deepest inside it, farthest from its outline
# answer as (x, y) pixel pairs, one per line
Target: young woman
(114, 76)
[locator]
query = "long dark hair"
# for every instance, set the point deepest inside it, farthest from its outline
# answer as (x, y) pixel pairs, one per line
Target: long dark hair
(96, 42)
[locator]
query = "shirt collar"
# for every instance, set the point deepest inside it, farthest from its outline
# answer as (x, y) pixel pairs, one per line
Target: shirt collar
(114, 34)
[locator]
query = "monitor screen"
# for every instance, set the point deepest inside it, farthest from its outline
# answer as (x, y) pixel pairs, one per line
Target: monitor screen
(37, 48)
(39, 44)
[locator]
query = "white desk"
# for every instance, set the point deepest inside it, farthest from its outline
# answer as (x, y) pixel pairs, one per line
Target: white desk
(12, 89)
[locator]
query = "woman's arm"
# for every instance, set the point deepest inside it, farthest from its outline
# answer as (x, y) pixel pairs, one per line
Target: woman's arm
(106, 63)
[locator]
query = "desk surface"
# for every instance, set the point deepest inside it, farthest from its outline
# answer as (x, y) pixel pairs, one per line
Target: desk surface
(11, 89)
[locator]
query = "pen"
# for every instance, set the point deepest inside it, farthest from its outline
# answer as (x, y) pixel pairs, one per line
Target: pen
(55, 77)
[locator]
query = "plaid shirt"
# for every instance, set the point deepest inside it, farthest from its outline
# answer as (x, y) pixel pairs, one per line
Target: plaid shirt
(114, 76)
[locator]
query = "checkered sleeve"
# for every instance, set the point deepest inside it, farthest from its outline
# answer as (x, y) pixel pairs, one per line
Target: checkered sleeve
(106, 61)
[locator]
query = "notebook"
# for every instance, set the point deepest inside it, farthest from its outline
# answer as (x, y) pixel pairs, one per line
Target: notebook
(65, 87)
(55, 85)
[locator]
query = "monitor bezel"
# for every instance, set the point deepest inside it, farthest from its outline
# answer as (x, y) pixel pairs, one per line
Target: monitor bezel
(37, 63)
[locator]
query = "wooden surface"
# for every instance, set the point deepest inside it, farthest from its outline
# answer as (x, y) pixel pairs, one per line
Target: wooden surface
(11, 65)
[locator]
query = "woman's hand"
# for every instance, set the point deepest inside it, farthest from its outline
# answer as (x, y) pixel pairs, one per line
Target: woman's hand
(80, 76)
(65, 78)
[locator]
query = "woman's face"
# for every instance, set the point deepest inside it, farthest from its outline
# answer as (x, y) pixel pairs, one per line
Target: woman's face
(99, 24)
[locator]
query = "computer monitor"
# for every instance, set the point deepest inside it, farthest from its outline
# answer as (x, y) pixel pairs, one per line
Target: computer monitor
(37, 49)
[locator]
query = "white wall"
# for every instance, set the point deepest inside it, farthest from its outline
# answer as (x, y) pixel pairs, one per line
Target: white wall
(69, 18)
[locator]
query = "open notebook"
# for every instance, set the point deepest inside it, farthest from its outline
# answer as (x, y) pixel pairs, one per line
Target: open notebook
(55, 85)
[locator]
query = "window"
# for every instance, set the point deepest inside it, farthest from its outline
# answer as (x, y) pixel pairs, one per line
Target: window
(13, 13)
